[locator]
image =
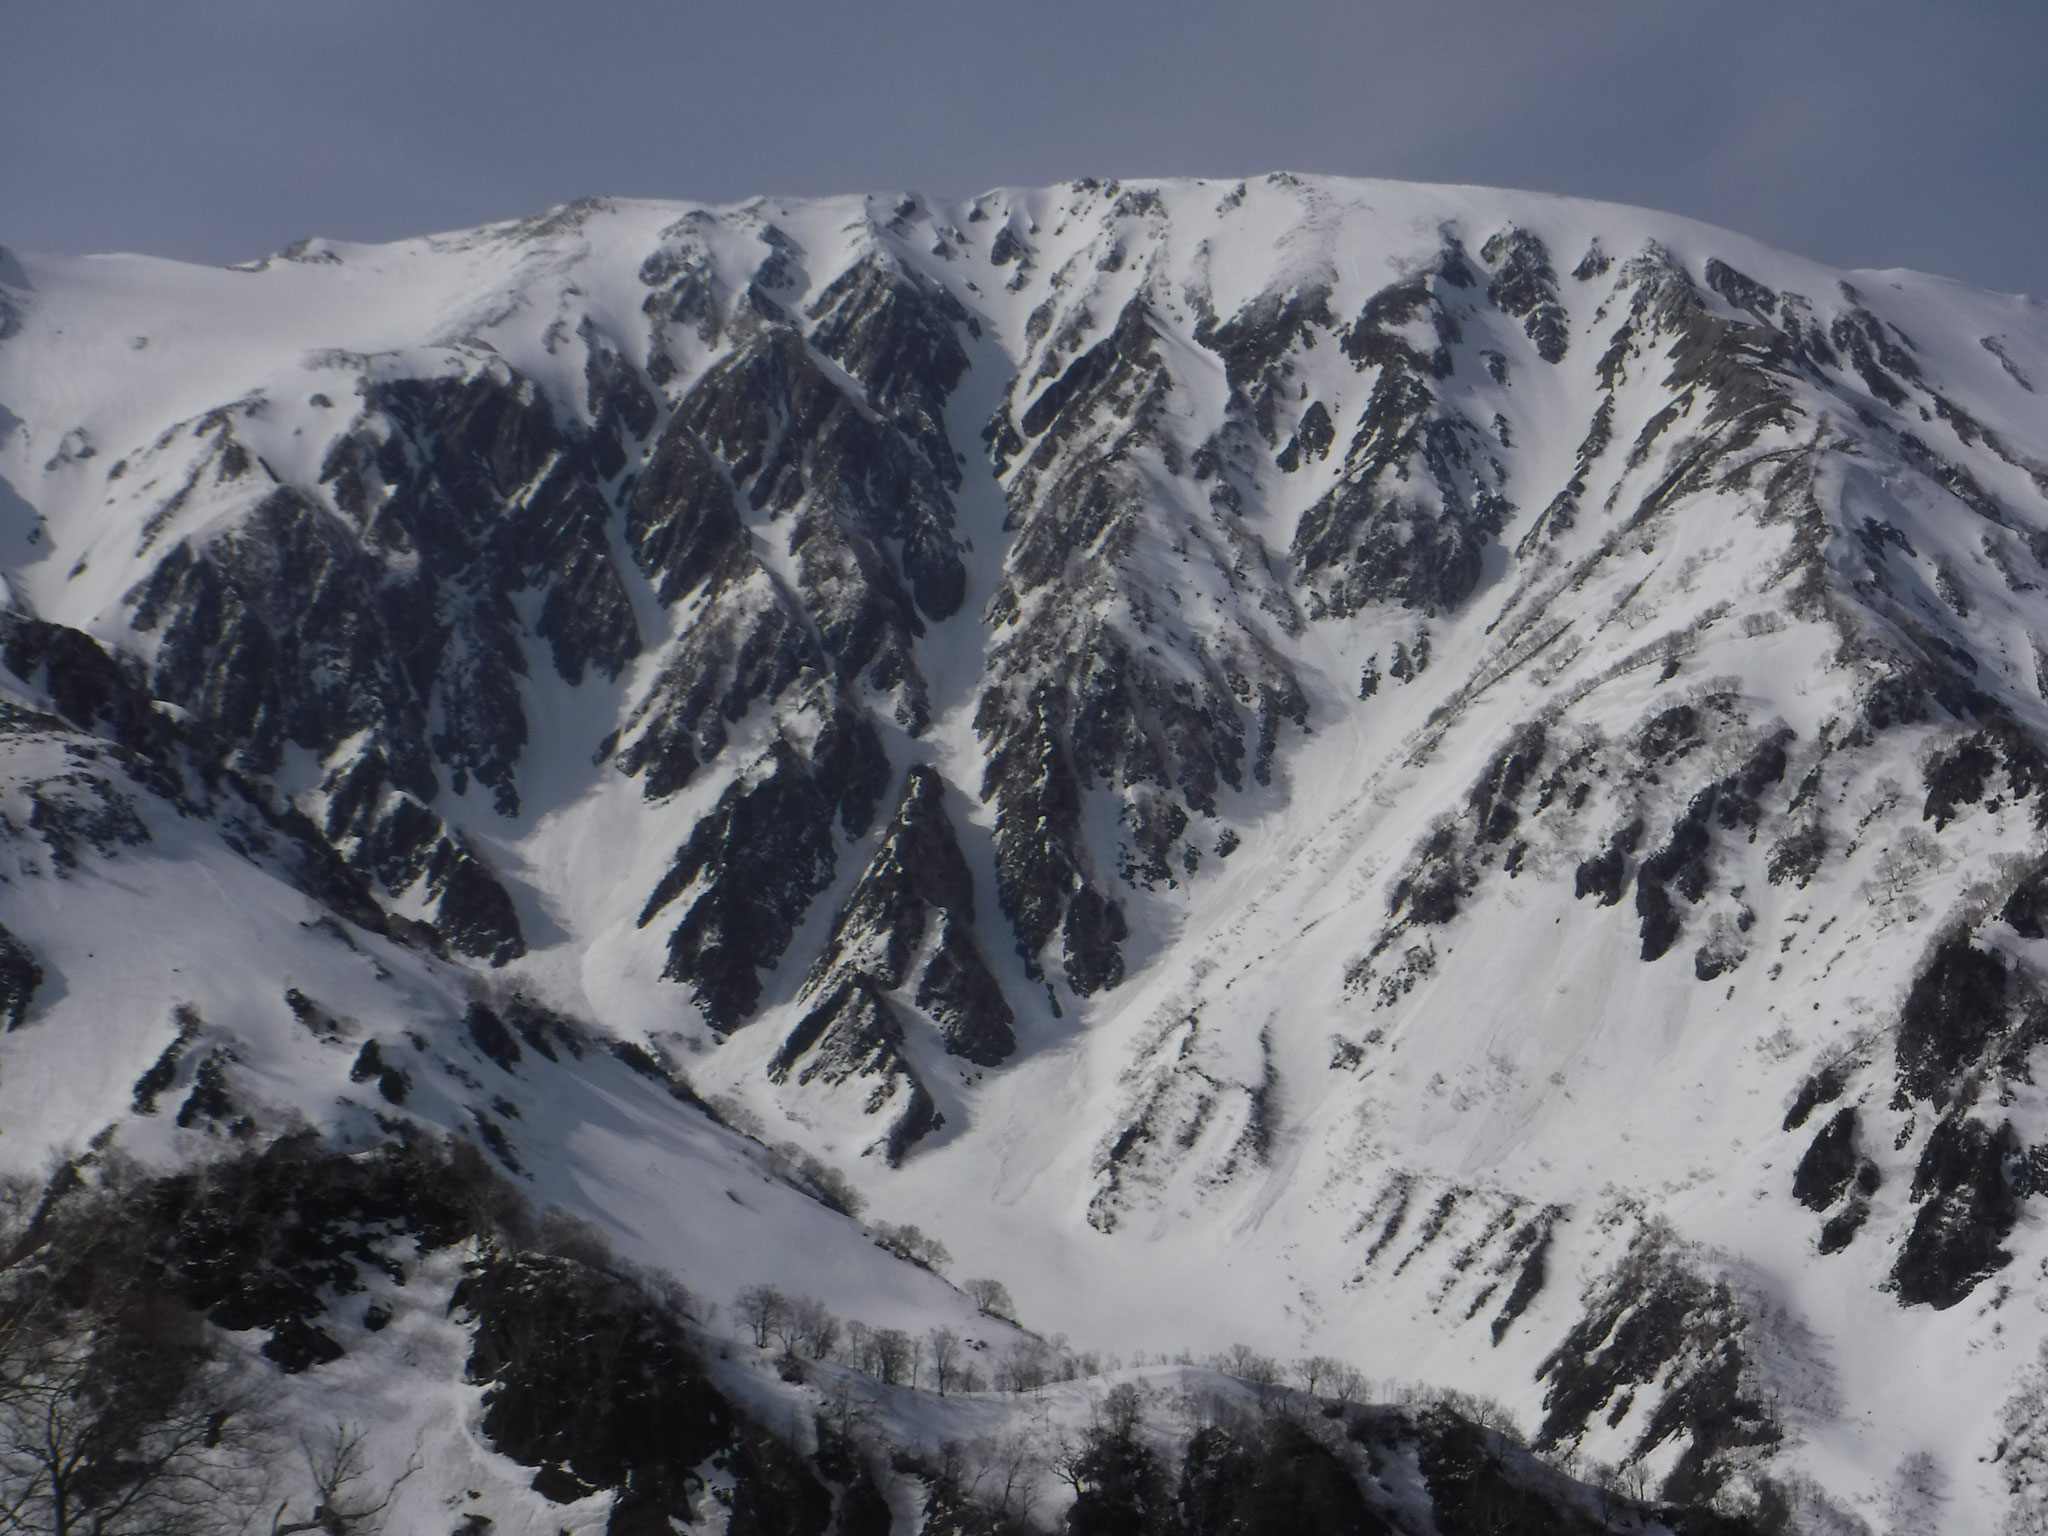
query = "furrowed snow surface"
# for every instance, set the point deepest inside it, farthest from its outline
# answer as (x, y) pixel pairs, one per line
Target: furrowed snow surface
(1485, 776)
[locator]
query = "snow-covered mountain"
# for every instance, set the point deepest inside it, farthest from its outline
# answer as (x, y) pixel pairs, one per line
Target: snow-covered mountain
(1445, 778)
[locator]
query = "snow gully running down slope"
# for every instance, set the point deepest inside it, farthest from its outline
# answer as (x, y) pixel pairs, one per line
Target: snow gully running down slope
(1444, 777)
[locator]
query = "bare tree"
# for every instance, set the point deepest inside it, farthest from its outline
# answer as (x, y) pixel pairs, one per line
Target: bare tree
(992, 1297)
(1346, 1382)
(1312, 1371)
(827, 1184)
(1243, 1361)
(1898, 869)
(816, 1329)
(1026, 1368)
(963, 1464)
(846, 1411)
(786, 1328)
(1069, 1462)
(118, 1433)
(860, 1346)
(342, 1504)
(945, 1355)
(895, 1355)
(1122, 1410)
(910, 1242)
(762, 1308)
(1010, 1465)
(1021, 1461)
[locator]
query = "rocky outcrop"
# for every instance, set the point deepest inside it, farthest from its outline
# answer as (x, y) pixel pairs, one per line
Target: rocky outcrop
(855, 489)
(902, 946)
(1659, 1327)
(1524, 286)
(1419, 493)
(751, 868)
(853, 1031)
(391, 835)
(20, 977)
(909, 922)
(1079, 696)
(870, 522)
(394, 621)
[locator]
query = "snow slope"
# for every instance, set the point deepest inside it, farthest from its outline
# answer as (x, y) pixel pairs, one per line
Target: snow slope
(1469, 731)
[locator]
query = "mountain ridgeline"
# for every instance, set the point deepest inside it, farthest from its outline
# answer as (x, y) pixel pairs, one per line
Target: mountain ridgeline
(1485, 755)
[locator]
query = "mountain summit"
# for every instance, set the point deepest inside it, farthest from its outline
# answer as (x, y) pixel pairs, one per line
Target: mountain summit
(1446, 779)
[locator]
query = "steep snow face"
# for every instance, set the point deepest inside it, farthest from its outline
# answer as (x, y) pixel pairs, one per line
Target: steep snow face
(1445, 777)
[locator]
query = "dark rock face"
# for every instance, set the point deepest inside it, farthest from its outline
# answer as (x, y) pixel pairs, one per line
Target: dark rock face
(1311, 441)
(682, 521)
(489, 1034)
(1829, 1164)
(1090, 934)
(106, 696)
(95, 692)
(1739, 289)
(2026, 909)
(385, 832)
(918, 882)
(793, 443)
(1606, 874)
(1681, 866)
(1656, 1322)
(916, 885)
(857, 488)
(761, 856)
(1970, 1023)
(392, 627)
(854, 1031)
(900, 337)
(1957, 1005)
(1824, 1087)
(1742, 369)
(1960, 774)
(1418, 495)
(20, 976)
(1254, 344)
(750, 643)
(396, 619)
(1967, 1206)
(1075, 699)
(1495, 800)
(1524, 286)
(393, 1082)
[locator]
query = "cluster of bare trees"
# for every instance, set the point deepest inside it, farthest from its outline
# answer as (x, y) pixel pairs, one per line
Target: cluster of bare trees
(115, 1414)
(120, 1415)
(804, 1328)
(940, 1359)
(801, 1326)
(1322, 1376)
(808, 1171)
(910, 1242)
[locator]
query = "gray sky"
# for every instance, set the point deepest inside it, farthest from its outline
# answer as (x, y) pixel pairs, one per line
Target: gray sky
(1862, 132)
